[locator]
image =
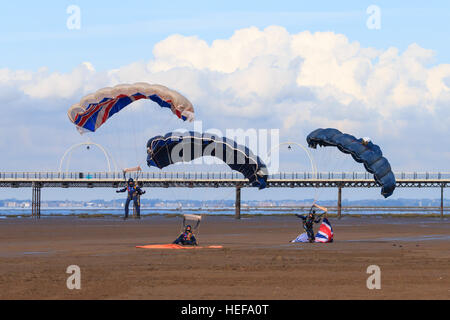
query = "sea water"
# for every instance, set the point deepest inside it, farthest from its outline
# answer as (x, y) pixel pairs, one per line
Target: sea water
(18, 212)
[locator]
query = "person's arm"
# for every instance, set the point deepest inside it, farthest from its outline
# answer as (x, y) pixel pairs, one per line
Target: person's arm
(178, 240)
(194, 240)
(300, 216)
(140, 191)
(122, 190)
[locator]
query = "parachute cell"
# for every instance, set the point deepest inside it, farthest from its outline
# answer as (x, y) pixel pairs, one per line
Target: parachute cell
(362, 151)
(177, 147)
(96, 108)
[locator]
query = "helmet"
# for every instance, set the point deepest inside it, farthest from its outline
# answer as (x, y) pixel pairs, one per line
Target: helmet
(188, 228)
(130, 180)
(365, 140)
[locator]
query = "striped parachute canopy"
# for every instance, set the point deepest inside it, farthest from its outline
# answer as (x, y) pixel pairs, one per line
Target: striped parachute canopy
(362, 151)
(96, 108)
(185, 147)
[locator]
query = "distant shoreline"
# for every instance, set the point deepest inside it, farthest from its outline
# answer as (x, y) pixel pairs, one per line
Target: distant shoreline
(243, 215)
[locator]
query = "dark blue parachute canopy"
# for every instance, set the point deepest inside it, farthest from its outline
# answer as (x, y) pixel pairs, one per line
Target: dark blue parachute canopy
(362, 151)
(184, 147)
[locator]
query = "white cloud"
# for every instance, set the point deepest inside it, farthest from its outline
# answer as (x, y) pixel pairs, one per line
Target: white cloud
(272, 78)
(60, 85)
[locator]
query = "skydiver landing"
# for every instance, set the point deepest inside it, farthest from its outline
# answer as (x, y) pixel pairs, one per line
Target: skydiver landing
(310, 219)
(134, 193)
(308, 223)
(186, 238)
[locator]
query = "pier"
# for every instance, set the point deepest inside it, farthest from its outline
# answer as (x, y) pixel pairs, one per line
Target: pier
(38, 180)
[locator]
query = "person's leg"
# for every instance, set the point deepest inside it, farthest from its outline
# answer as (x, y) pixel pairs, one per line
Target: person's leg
(311, 235)
(127, 205)
(137, 206)
(305, 228)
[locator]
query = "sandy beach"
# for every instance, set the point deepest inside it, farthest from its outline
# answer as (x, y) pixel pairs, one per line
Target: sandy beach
(257, 261)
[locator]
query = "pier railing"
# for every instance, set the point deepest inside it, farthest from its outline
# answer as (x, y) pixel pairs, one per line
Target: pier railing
(168, 175)
(166, 179)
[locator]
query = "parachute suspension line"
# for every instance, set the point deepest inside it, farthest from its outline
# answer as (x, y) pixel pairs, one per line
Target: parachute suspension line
(138, 131)
(124, 134)
(318, 164)
(132, 124)
(312, 162)
(196, 228)
(320, 161)
(193, 217)
(331, 160)
(112, 131)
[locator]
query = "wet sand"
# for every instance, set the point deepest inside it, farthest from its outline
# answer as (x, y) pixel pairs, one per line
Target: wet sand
(257, 261)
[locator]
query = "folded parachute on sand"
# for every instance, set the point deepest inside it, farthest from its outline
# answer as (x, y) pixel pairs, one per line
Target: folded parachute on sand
(176, 247)
(95, 109)
(324, 235)
(185, 147)
(362, 151)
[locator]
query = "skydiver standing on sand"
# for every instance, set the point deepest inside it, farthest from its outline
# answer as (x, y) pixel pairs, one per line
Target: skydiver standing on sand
(134, 193)
(310, 219)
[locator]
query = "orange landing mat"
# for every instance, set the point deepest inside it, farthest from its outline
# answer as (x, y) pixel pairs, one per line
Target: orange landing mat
(176, 246)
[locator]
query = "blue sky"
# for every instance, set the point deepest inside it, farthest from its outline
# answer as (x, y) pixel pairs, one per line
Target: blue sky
(392, 84)
(115, 33)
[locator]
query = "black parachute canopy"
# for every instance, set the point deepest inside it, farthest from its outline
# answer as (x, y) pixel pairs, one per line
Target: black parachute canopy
(184, 147)
(362, 151)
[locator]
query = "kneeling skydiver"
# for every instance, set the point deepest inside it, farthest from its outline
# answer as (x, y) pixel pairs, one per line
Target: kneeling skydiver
(134, 193)
(309, 220)
(186, 238)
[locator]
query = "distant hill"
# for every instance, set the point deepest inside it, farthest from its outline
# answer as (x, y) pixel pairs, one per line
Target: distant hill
(230, 203)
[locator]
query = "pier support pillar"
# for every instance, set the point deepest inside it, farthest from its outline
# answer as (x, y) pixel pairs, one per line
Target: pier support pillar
(237, 205)
(339, 204)
(442, 201)
(36, 201)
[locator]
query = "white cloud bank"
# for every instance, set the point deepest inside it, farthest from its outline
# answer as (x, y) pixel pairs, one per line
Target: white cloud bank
(271, 78)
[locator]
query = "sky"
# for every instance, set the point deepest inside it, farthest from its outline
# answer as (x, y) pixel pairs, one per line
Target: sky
(292, 66)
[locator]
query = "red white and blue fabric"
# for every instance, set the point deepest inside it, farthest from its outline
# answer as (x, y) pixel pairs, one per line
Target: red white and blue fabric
(95, 109)
(325, 233)
(106, 108)
(303, 237)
